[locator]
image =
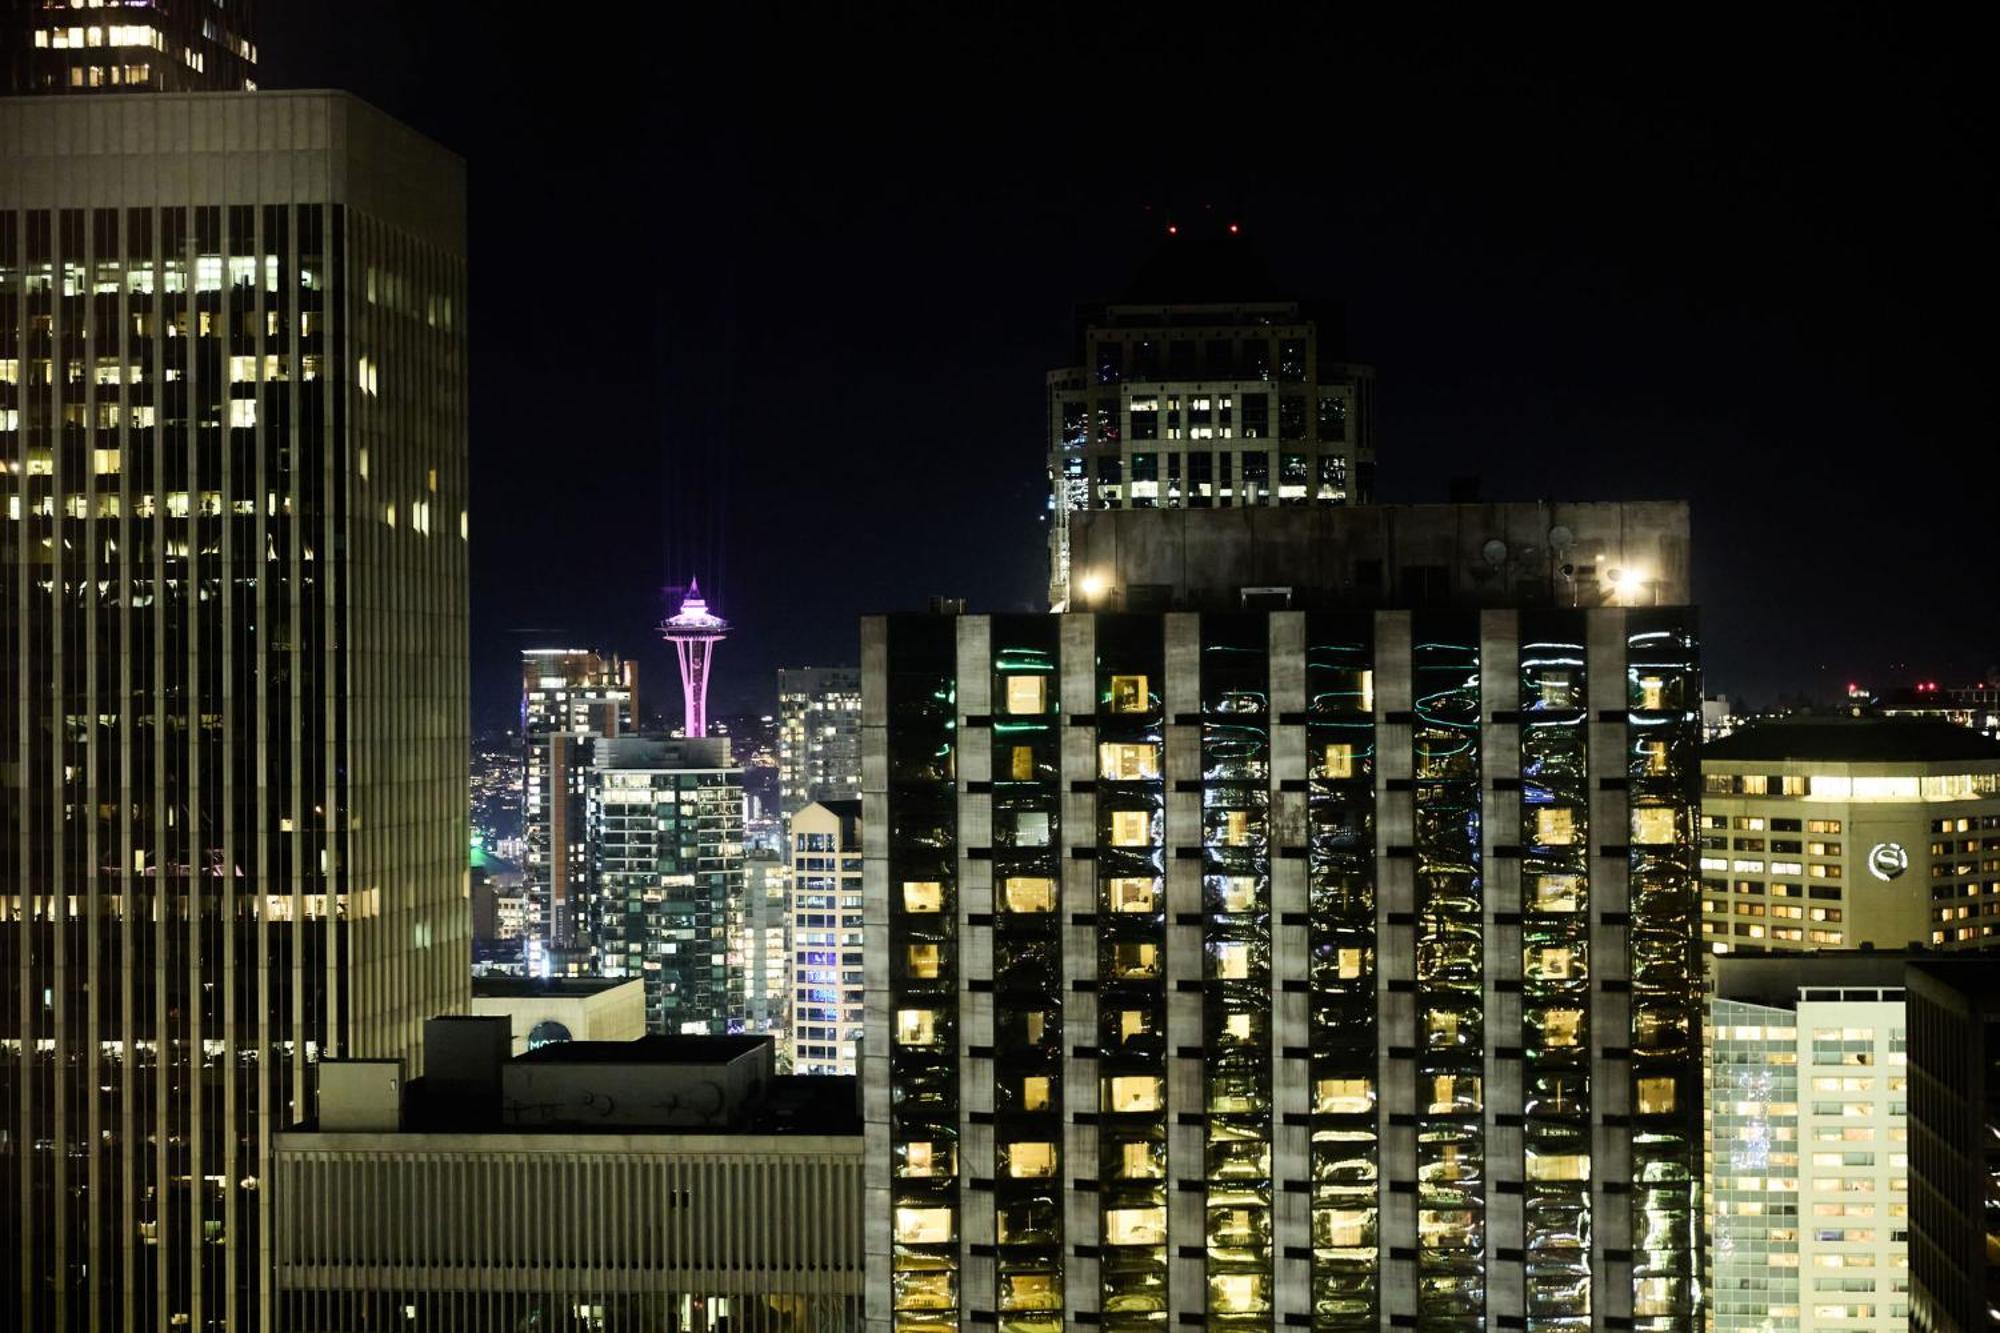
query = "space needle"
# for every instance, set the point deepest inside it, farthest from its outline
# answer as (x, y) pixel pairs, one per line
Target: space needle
(694, 631)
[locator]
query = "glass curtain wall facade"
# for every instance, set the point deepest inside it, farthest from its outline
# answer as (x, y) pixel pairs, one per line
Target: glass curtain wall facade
(1341, 964)
(667, 880)
(233, 449)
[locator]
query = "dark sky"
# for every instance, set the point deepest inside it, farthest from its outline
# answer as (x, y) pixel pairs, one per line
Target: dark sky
(768, 294)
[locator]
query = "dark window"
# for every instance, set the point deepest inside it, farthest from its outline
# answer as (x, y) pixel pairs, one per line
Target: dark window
(1256, 416)
(1180, 359)
(1107, 418)
(1075, 422)
(1145, 424)
(1110, 362)
(1292, 360)
(1291, 417)
(1332, 416)
(1219, 357)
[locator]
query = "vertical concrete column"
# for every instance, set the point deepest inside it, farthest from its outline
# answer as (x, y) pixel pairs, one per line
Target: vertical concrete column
(1395, 965)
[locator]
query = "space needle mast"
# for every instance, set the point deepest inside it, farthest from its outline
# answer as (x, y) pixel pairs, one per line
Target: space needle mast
(694, 631)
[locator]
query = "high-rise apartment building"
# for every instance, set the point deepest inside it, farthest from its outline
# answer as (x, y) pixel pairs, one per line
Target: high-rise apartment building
(233, 450)
(161, 46)
(1834, 832)
(1808, 1152)
(666, 842)
(1954, 1028)
(1303, 936)
(1201, 389)
(819, 736)
(570, 698)
(828, 930)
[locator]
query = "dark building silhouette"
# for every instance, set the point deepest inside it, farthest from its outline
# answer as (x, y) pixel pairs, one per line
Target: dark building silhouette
(1954, 1092)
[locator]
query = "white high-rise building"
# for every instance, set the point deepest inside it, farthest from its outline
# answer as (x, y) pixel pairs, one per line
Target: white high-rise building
(827, 974)
(1808, 1153)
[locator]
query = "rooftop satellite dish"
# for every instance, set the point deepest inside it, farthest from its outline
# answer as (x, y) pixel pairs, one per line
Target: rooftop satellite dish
(1560, 537)
(1495, 552)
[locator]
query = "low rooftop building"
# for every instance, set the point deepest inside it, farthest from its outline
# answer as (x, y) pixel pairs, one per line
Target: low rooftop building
(668, 1182)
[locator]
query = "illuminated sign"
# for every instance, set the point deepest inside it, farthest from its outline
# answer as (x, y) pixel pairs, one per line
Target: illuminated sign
(1886, 860)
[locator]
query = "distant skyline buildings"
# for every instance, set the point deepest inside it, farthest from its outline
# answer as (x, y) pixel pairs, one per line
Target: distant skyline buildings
(819, 736)
(570, 699)
(1850, 832)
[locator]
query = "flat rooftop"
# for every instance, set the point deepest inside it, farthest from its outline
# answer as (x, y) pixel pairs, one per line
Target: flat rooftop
(1855, 740)
(541, 988)
(651, 1050)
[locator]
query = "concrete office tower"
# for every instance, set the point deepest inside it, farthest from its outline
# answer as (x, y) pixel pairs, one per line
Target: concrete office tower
(1839, 832)
(819, 736)
(1807, 1151)
(233, 423)
(1202, 388)
(62, 46)
(1315, 947)
(570, 698)
(668, 1183)
(666, 842)
(828, 929)
(1954, 1145)
(762, 947)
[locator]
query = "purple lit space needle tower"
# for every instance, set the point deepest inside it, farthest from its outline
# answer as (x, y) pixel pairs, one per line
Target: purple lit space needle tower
(694, 632)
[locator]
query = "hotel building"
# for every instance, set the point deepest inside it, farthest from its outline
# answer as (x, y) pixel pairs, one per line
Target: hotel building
(1829, 833)
(234, 764)
(1299, 931)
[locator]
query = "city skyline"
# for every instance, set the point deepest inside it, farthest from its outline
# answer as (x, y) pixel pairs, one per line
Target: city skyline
(1228, 800)
(1576, 278)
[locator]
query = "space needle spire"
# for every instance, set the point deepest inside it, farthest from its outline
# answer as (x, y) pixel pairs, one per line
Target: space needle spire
(694, 631)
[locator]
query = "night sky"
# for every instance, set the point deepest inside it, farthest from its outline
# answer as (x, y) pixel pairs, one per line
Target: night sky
(768, 296)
